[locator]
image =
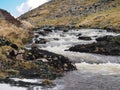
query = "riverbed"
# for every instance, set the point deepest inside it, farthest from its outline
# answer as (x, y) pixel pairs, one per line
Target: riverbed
(95, 71)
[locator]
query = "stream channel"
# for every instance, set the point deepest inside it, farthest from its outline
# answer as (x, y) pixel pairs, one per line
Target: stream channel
(95, 71)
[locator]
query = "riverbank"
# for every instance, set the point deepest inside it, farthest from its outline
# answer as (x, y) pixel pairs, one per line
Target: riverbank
(47, 59)
(32, 63)
(21, 58)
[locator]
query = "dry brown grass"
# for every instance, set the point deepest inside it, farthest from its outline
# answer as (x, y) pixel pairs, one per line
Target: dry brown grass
(41, 15)
(13, 33)
(106, 19)
(16, 35)
(102, 19)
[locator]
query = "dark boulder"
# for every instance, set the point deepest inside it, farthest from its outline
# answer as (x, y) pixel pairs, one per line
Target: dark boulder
(104, 38)
(79, 34)
(56, 39)
(36, 36)
(14, 46)
(41, 41)
(42, 33)
(84, 38)
(48, 28)
(108, 45)
(65, 30)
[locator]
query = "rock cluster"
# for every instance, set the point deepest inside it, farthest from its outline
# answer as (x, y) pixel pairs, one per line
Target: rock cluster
(59, 62)
(107, 45)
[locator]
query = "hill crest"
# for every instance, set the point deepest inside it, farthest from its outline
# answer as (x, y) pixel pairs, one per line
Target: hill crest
(85, 13)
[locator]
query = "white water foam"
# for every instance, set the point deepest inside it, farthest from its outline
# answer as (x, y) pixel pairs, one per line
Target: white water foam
(84, 61)
(105, 68)
(8, 87)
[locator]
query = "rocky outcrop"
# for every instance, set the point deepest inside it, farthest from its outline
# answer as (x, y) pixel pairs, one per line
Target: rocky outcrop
(107, 45)
(59, 62)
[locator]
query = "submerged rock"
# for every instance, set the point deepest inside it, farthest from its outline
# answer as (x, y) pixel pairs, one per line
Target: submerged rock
(40, 40)
(56, 39)
(79, 34)
(84, 38)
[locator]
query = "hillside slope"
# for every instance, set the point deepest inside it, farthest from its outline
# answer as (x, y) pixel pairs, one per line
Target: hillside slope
(79, 13)
(11, 30)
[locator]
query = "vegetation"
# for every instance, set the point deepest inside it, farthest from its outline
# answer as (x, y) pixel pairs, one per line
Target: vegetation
(12, 34)
(107, 19)
(80, 13)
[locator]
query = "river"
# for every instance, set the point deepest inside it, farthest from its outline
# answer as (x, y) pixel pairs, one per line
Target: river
(95, 72)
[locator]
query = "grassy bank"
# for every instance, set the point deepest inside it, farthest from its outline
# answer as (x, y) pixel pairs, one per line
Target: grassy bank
(87, 14)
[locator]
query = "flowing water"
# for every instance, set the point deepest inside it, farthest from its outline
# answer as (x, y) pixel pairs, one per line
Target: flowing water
(95, 72)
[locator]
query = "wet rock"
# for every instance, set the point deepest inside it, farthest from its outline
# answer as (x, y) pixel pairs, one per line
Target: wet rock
(79, 34)
(40, 41)
(42, 33)
(108, 45)
(54, 60)
(84, 38)
(104, 38)
(36, 36)
(62, 35)
(48, 28)
(65, 30)
(56, 39)
(33, 45)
